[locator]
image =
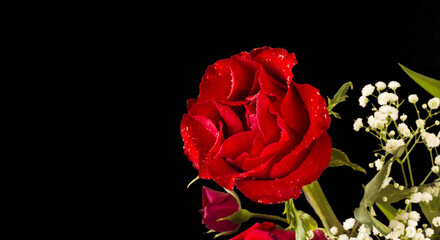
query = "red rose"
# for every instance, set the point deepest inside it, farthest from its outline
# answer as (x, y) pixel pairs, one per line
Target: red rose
(218, 205)
(268, 231)
(252, 126)
(265, 231)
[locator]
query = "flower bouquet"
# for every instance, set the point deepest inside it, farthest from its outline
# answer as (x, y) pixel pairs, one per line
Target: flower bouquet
(254, 129)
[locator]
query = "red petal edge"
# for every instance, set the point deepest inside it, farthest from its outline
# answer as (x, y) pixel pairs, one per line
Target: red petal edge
(283, 189)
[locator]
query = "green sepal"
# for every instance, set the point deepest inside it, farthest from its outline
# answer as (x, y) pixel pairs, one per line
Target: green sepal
(339, 158)
(239, 217)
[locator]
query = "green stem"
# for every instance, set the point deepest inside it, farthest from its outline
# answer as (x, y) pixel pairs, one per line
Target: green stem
(316, 198)
(404, 174)
(267, 216)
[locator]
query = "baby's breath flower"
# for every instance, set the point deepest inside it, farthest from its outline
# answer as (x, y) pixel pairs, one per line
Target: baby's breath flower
(393, 144)
(437, 160)
(386, 182)
(416, 197)
(358, 124)
(334, 230)
(420, 123)
(435, 169)
(343, 237)
(426, 197)
(379, 164)
(380, 85)
(367, 90)
(429, 232)
(404, 130)
(413, 98)
(419, 236)
(415, 216)
(389, 111)
(363, 101)
(410, 232)
(436, 221)
(386, 97)
(376, 121)
(431, 140)
(424, 106)
(434, 103)
(349, 223)
(393, 85)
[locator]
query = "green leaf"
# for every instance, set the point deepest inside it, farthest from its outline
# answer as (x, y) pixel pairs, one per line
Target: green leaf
(364, 216)
(339, 158)
(431, 85)
(386, 208)
(431, 210)
(339, 97)
(375, 185)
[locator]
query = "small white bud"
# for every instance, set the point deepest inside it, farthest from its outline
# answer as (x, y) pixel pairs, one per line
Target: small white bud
(392, 133)
(437, 122)
(385, 199)
(424, 106)
(403, 117)
(435, 169)
(437, 160)
(401, 188)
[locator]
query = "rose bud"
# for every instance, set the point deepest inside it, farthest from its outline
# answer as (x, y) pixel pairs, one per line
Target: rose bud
(217, 205)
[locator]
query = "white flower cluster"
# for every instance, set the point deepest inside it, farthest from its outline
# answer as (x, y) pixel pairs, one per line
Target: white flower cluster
(390, 126)
(393, 130)
(405, 226)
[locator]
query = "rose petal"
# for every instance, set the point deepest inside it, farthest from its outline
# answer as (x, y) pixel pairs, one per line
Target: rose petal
(208, 110)
(237, 144)
(294, 112)
(243, 75)
(232, 121)
(283, 189)
(270, 86)
(196, 138)
(259, 235)
(266, 226)
(316, 107)
(267, 122)
(216, 82)
(276, 61)
(281, 234)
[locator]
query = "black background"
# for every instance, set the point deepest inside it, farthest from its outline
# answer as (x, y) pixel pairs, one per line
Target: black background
(333, 43)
